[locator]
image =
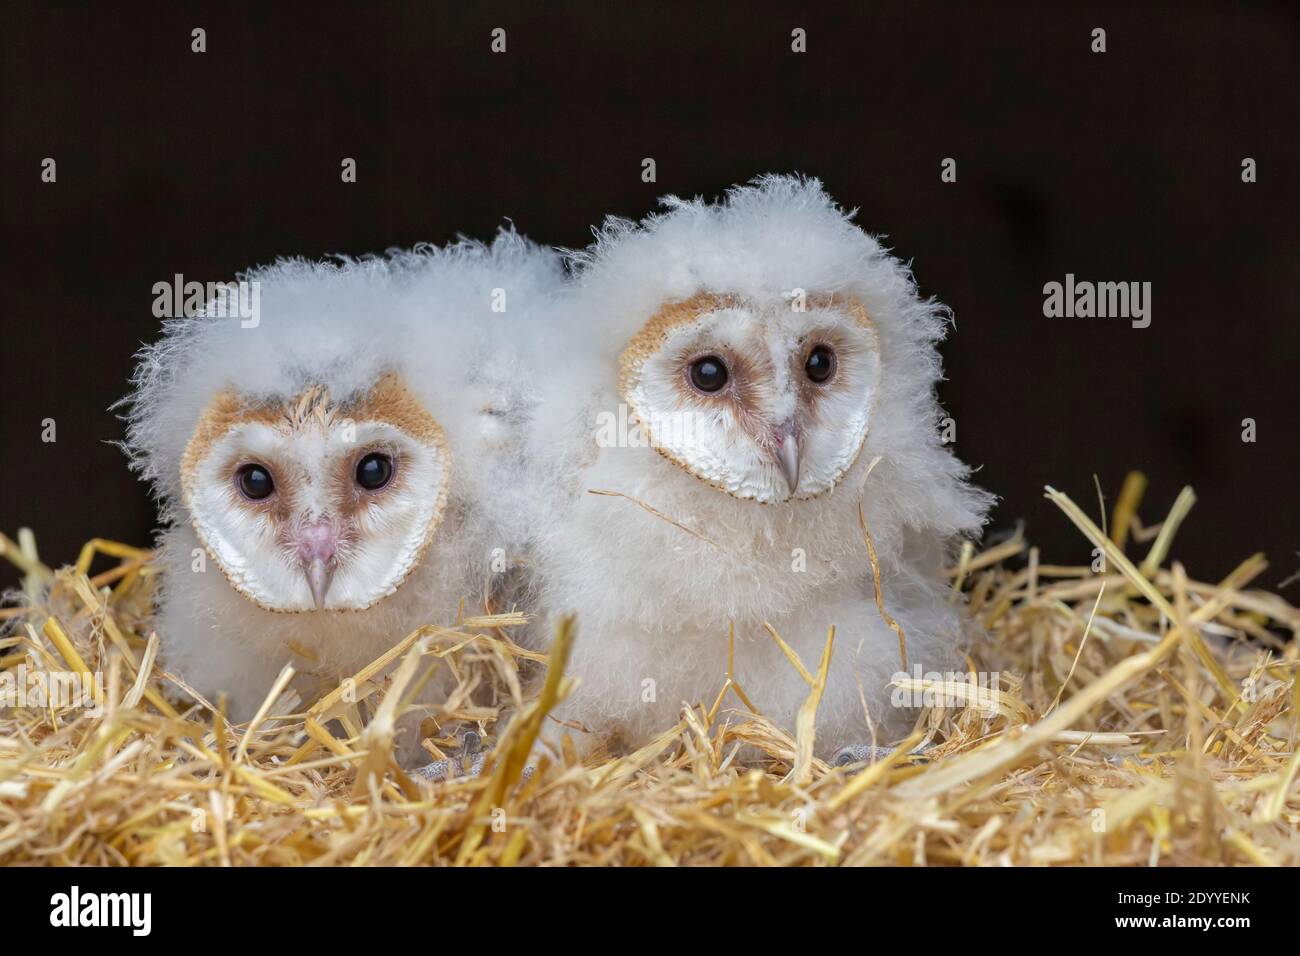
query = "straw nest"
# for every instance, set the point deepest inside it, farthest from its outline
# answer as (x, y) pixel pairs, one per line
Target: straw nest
(1140, 717)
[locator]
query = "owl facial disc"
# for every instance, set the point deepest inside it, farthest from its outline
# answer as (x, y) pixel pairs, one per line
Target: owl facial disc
(762, 400)
(312, 505)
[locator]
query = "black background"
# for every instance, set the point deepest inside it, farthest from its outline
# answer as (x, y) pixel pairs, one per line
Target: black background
(1123, 166)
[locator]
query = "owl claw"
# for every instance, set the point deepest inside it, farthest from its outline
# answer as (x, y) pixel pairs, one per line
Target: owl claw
(452, 768)
(861, 753)
(468, 763)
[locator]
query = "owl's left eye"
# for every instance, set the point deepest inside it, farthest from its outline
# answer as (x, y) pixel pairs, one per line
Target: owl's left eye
(255, 482)
(709, 374)
(820, 364)
(374, 471)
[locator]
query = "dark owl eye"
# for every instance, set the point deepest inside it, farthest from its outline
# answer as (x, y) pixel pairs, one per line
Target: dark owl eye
(374, 471)
(255, 482)
(820, 365)
(708, 374)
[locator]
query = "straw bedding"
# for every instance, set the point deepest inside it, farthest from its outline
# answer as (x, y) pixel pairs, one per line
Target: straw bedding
(1139, 717)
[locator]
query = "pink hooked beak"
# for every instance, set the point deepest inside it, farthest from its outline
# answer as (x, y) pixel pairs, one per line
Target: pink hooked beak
(787, 456)
(317, 545)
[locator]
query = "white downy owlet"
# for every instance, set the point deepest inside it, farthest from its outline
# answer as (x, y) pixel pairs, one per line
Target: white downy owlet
(343, 469)
(746, 375)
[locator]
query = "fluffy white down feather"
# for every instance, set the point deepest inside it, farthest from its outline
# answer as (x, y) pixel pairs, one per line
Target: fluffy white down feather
(425, 314)
(654, 603)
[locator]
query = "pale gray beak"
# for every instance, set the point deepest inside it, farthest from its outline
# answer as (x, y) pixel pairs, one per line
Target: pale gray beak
(787, 457)
(319, 575)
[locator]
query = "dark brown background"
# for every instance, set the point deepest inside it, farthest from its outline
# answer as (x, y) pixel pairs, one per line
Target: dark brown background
(1122, 166)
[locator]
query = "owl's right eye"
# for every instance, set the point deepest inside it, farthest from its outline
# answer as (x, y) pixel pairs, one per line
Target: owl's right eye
(255, 482)
(709, 374)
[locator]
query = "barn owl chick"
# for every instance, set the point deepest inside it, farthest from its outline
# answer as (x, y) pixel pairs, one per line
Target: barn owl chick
(316, 503)
(337, 471)
(753, 373)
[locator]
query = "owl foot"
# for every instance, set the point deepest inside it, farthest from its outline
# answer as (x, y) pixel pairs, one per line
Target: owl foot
(467, 763)
(862, 753)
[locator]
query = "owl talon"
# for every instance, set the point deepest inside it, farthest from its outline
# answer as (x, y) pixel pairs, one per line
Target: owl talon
(468, 763)
(861, 753)
(452, 768)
